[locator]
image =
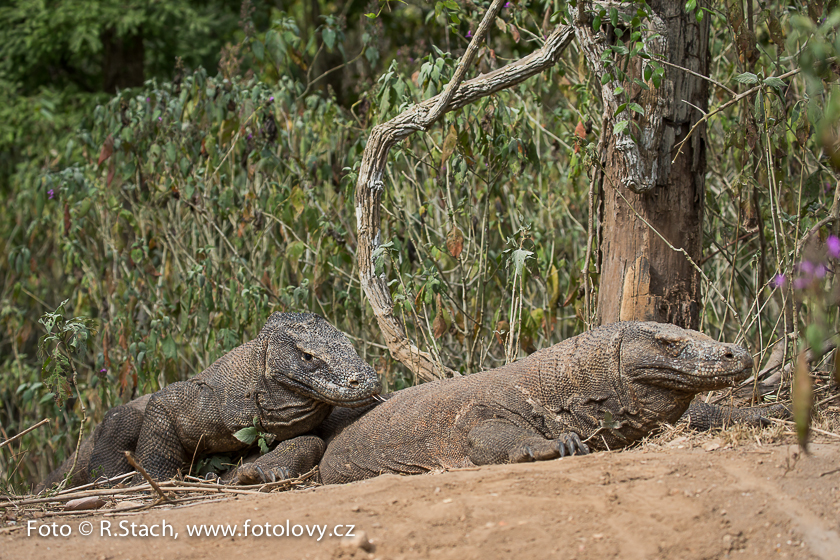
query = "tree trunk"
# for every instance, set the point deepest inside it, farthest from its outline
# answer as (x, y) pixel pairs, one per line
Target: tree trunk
(122, 65)
(642, 277)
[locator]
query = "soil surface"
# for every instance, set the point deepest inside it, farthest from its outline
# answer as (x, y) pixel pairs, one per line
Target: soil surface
(691, 497)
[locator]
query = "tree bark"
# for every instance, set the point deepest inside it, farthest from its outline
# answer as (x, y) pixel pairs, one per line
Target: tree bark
(642, 277)
(369, 185)
(122, 65)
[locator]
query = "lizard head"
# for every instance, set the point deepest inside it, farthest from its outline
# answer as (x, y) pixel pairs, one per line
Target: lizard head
(307, 355)
(660, 355)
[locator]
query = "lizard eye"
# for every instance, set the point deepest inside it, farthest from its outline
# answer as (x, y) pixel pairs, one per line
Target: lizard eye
(307, 357)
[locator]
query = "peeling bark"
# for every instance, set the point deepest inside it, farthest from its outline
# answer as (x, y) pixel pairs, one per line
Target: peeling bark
(642, 278)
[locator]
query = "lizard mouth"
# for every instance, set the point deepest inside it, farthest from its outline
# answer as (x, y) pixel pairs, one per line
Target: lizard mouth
(334, 394)
(690, 382)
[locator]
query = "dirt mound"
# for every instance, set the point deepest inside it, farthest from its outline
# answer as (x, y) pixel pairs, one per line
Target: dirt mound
(693, 497)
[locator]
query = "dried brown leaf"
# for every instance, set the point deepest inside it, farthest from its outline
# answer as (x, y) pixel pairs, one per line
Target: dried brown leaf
(107, 150)
(449, 144)
(441, 323)
(502, 328)
(455, 241)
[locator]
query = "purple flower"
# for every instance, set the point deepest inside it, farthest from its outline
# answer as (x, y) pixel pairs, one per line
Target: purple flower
(51, 193)
(778, 281)
(507, 5)
(806, 267)
(103, 370)
(820, 270)
(148, 99)
(833, 244)
(160, 118)
(469, 33)
(271, 98)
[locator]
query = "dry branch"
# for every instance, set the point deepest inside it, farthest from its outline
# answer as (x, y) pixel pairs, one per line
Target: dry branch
(24, 432)
(139, 468)
(369, 185)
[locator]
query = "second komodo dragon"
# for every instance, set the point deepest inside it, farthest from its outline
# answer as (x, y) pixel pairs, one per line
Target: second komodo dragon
(610, 386)
(288, 378)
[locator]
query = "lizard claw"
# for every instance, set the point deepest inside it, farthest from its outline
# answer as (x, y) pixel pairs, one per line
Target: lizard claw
(570, 444)
(274, 474)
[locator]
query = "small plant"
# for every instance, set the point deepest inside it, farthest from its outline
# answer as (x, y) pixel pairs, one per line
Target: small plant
(63, 339)
(254, 433)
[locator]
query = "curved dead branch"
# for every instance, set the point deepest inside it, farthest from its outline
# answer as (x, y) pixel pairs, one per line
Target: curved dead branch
(369, 185)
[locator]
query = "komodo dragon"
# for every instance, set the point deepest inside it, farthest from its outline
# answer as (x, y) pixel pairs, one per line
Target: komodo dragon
(288, 378)
(611, 386)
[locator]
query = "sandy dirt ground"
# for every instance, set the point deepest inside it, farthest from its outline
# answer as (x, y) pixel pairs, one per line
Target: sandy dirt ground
(692, 497)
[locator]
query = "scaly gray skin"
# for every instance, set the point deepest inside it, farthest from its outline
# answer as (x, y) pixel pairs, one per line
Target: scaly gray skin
(289, 378)
(120, 428)
(539, 408)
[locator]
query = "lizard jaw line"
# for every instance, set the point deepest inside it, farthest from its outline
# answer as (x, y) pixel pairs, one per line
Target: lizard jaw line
(308, 391)
(692, 382)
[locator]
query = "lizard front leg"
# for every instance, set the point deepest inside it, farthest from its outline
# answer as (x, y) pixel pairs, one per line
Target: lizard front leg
(168, 417)
(499, 441)
(289, 459)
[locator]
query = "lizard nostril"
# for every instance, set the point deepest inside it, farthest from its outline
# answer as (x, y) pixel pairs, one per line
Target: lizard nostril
(354, 383)
(729, 355)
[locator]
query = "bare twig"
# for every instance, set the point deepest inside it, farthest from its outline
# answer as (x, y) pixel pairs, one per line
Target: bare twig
(96, 483)
(24, 432)
(729, 103)
(139, 468)
(792, 423)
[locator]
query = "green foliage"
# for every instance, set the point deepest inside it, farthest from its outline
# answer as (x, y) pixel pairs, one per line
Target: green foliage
(253, 433)
(56, 348)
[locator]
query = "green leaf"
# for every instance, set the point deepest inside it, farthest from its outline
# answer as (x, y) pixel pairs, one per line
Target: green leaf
(328, 35)
(263, 446)
(777, 84)
(746, 78)
(620, 127)
(690, 6)
(759, 108)
(609, 422)
(247, 435)
(170, 350)
(518, 259)
(637, 108)
(294, 250)
(258, 48)
(802, 394)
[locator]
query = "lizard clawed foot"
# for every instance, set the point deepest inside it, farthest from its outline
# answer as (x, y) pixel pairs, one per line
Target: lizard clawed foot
(570, 444)
(546, 450)
(255, 474)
